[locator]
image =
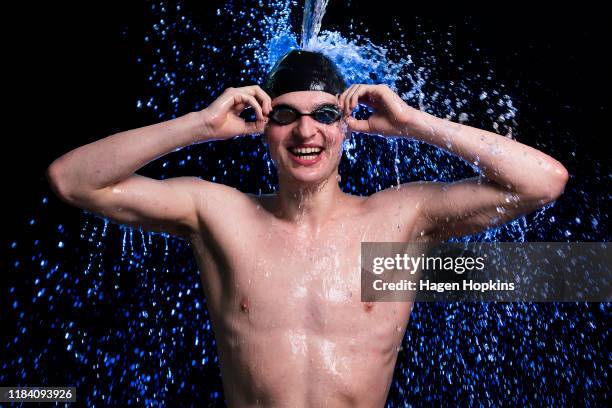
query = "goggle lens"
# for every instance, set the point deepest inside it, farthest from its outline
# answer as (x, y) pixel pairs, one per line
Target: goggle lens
(327, 114)
(285, 115)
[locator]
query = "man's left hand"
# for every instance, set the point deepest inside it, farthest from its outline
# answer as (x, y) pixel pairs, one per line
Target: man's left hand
(391, 117)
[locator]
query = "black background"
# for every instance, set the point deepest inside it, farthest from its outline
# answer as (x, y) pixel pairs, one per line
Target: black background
(73, 76)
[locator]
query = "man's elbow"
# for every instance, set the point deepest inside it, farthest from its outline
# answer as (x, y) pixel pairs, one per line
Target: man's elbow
(554, 186)
(57, 182)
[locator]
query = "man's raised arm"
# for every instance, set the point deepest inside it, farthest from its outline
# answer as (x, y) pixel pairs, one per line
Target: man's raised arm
(100, 176)
(519, 178)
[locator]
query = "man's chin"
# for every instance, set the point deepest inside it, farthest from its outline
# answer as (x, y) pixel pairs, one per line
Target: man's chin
(301, 178)
(306, 181)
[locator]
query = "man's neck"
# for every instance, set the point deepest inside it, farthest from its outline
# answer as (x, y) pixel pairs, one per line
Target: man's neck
(308, 205)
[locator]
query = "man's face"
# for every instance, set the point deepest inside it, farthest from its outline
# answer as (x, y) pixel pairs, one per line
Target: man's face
(285, 141)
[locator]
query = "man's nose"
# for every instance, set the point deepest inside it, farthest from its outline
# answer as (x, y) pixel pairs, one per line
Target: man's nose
(306, 127)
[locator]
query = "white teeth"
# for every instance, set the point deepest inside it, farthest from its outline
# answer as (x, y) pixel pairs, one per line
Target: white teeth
(306, 150)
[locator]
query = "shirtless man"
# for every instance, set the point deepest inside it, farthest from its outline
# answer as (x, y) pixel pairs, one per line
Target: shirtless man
(281, 272)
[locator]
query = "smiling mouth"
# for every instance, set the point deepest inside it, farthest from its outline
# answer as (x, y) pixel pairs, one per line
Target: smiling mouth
(306, 153)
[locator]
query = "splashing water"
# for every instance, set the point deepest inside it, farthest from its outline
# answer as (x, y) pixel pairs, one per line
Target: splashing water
(314, 10)
(123, 310)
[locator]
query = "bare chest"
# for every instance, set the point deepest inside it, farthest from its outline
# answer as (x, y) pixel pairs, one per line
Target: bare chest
(285, 301)
(279, 277)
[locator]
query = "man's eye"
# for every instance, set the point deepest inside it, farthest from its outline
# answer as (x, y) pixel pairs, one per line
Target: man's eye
(284, 115)
(328, 114)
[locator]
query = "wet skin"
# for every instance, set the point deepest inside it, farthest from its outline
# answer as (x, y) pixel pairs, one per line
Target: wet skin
(285, 305)
(281, 275)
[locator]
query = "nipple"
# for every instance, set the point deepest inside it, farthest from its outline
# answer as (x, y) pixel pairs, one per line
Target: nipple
(244, 305)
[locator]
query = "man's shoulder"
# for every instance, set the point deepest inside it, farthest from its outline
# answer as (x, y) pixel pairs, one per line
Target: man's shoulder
(216, 199)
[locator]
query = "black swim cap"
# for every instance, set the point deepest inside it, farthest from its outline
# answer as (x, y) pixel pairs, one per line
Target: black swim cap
(300, 70)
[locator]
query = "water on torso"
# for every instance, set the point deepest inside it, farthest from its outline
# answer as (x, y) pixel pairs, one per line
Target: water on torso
(285, 302)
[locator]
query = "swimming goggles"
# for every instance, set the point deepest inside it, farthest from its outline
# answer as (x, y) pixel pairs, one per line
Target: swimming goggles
(285, 114)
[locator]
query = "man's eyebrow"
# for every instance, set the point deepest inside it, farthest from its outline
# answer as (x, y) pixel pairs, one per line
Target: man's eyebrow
(322, 104)
(285, 105)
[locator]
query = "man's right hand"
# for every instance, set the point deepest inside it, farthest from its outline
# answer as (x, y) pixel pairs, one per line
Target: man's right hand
(221, 119)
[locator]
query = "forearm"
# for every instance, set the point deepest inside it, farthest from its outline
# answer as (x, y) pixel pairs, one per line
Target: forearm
(116, 157)
(513, 165)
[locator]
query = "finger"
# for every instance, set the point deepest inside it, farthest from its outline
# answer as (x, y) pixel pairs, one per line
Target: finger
(354, 98)
(237, 108)
(256, 127)
(343, 98)
(369, 95)
(251, 101)
(224, 102)
(264, 99)
(356, 125)
(347, 100)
